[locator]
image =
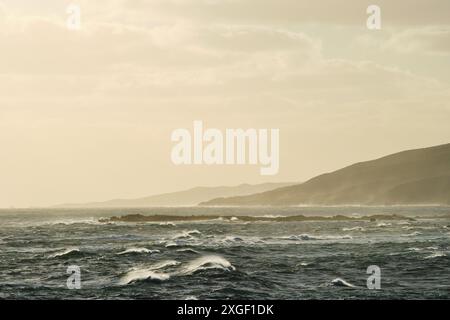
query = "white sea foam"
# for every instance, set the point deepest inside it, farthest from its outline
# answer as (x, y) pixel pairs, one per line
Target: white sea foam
(171, 244)
(233, 239)
(414, 234)
(354, 229)
(338, 282)
(64, 252)
(439, 254)
(168, 224)
(271, 216)
(138, 250)
(308, 237)
(154, 272)
(188, 250)
(148, 273)
(143, 274)
(383, 224)
(414, 249)
(186, 234)
(164, 264)
(206, 262)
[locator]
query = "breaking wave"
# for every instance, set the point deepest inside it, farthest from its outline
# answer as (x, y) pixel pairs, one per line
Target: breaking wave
(338, 282)
(414, 234)
(436, 255)
(354, 229)
(307, 237)
(65, 253)
(154, 273)
(383, 224)
(138, 250)
(186, 234)
(188, 250)
(206, 262)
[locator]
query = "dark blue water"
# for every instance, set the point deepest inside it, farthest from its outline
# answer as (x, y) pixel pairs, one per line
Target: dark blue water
(224, 259)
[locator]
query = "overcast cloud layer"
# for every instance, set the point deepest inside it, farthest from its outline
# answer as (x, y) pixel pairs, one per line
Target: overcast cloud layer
(87, 115)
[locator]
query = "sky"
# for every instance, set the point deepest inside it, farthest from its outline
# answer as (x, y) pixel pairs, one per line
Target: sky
(87, 115)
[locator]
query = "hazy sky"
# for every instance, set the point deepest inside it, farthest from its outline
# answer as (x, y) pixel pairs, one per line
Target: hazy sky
(87, 115)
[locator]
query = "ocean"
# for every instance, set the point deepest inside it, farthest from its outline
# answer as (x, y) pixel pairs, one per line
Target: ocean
(225, 258)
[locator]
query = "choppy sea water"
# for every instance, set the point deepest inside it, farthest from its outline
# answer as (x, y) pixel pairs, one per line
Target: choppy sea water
(224, 259)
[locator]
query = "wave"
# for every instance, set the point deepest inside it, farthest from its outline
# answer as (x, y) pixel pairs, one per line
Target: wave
(186, 234)
(264, 218)
(188, 250)
(139, 275)
(302, 264)
(271, 216)
(206, 262)
(383, 224)
(307, 237)
(233, 239)
(164, 264)
(171, 244)
(167, 224)
(65, 253)
(354, 229)
(338, 282)
(148, 273)
(138, 250)
(414, 234)
(436, 255)
(154, 273)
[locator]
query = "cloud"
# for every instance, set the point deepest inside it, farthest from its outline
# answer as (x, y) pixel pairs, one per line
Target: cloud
(430, 40)
(295, 12)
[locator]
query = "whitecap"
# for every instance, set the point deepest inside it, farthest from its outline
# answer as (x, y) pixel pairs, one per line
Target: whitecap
(307, 237)
(383, 224)
(138, 250)
(414, 234)
(271, 216)
(204, 263)
(186, 234)
(64, 252)
(436, 255)
(233, 239)
(148, 273)
(164, 264)
(338, 282)
(171, 244)
(168, 224)
(354, 229)
(143, 274)
(188, 250)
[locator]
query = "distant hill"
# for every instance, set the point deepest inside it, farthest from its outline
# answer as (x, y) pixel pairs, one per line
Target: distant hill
(182, 198)
(420, 176)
